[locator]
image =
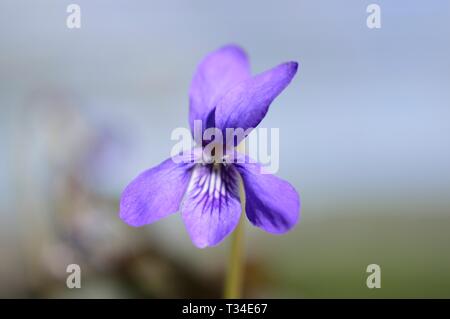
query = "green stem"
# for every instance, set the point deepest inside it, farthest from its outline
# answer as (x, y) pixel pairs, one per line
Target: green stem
(233, 282)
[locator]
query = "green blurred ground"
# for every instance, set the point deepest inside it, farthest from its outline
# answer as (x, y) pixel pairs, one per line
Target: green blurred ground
(330, 256)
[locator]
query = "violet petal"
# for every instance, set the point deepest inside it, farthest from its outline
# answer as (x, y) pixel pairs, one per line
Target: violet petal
(246, 104)
(155, 193)
(211, 208)
(216, 74)
(271, 203)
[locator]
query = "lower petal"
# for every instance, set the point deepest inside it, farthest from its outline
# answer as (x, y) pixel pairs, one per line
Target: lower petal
(211, 208)
(155, 193)
(271, 203)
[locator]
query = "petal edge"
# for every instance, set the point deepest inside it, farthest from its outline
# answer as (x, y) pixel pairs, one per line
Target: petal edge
(155, 193)
(246, 104)
(215, 75)
(271, 203)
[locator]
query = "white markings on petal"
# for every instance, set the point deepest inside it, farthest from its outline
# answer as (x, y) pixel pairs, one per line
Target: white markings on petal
(212, 186)
(211, 210)
(212, 181)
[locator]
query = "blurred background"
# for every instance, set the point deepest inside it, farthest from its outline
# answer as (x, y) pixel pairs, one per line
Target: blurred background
(365, 139)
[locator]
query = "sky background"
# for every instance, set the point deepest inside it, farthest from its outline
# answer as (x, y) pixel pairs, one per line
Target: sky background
(364, 126)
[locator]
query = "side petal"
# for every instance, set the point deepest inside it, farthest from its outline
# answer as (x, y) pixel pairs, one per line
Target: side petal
(271, 203)
(211, 208)
(155, 193)
(216, 74)
(246, 104)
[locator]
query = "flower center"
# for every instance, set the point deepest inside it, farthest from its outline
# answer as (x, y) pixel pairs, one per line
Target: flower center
(217, 154)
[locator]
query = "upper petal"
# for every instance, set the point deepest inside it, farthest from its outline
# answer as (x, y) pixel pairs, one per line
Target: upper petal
(271, 203)
(246, 104)
(155, 193)
(211, 208)
(216, 74)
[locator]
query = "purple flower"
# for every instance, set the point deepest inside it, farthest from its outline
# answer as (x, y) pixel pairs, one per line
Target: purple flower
(223, 94)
